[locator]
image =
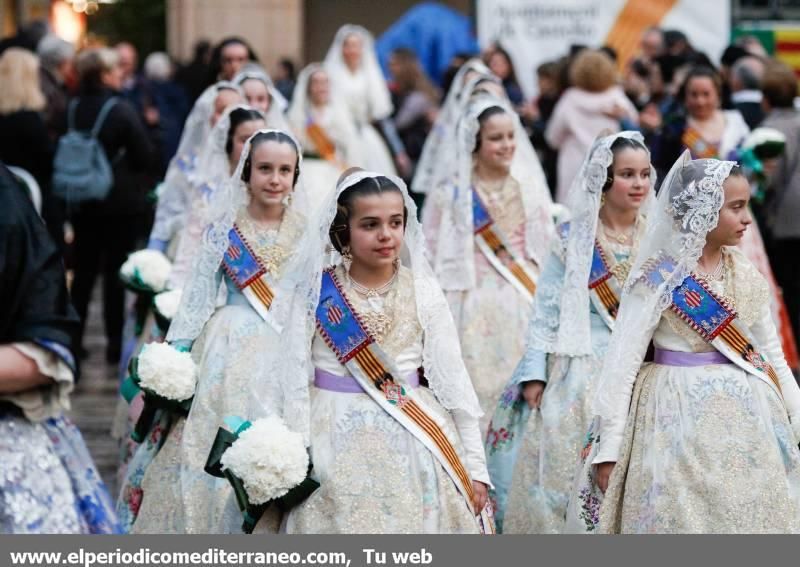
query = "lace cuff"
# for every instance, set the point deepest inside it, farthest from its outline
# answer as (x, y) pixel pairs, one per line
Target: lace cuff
(50, 400)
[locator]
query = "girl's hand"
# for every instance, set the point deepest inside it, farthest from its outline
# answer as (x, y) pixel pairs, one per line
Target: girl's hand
(532, 392)
(601, 475)
(480, 495)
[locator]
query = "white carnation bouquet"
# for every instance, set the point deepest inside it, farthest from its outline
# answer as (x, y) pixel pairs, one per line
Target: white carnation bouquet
(168, 378)
(166, 306)
(265, 462)
(760, 146)
(764, 137)
(146, 271)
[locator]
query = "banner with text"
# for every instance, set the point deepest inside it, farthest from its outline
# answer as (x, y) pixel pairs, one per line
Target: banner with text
(536, 31)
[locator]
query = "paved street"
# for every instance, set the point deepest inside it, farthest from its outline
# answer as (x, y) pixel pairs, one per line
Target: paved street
(95, 399)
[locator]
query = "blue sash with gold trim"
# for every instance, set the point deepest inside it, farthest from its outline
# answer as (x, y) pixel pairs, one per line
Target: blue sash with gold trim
(494, 245)
(711, 317)
(247, 273)
(604, 289)
(341, 328)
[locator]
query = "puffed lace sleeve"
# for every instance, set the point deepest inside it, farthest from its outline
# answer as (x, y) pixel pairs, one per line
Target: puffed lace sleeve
(544, 320)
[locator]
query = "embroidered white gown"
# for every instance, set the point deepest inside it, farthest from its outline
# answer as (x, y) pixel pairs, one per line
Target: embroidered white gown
(491, 318)
(370, 146)
(375, 476)
(177, 495)
(706, 449)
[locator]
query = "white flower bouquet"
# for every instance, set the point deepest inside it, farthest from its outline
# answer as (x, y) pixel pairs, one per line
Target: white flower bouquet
(559, 212)
(166, 306)
(266, 463)
(765, 142)
(146, 271)
(760, 146)
(168, 378)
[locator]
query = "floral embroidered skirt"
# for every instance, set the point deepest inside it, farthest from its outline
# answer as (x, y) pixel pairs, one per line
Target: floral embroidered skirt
(707, 449)
(177, 495)
(48, 482)
(376, 477)
(550, 449)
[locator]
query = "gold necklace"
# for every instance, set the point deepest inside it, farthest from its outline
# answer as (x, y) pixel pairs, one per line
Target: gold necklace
(264, 242)
(378, 303)
(621, 237)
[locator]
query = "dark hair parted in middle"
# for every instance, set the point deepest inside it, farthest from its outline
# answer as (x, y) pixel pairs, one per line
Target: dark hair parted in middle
(239, 116)
(270, 136)
(483, 117)
(339, 231)
(618, 145)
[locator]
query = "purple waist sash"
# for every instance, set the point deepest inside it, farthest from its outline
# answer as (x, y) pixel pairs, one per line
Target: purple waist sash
(347, 384)
(677, 358)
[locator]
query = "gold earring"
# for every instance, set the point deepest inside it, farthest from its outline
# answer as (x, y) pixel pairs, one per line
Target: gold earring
(602, 199)
(347, 257)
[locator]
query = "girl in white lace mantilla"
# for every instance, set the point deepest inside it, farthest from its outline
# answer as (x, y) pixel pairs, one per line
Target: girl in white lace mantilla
(490, 311)
(260, 93)
(217, 160)
(357, 83)
(532, 460)
(704, 438)
(229, 344)
(324, 129)
(173, 200)
(377, 474)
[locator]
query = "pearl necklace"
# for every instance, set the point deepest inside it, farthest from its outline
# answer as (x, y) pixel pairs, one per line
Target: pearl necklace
(373, 294)
(716, 275)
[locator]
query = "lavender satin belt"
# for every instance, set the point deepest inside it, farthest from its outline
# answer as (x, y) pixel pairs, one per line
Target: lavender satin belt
(347, 384)
(677, 358)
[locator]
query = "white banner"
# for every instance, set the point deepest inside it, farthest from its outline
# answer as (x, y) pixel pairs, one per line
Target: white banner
(536, 31)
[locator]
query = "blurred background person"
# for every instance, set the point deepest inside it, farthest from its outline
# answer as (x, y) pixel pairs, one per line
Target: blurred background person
(24, 140)
(415, 101)
(56, 66)
(285, 78)
(593, 103)
(168, 105)
(499, 61)
(779, 85)
(698, 123)
(106, 231)
(194, 75)
(745, 85)
(228, 59)
(651, 44)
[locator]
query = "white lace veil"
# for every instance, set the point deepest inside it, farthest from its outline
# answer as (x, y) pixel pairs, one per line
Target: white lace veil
(380, 102)
(444, 128)
(678, 221)
(278, 103)
(213, 166)
(301, 102)
(171, 205)
(199, 297)
(560, 317)
(454, 257)
(296, 302)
